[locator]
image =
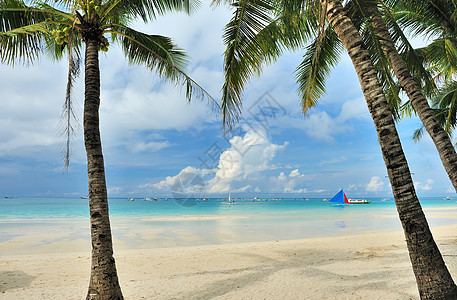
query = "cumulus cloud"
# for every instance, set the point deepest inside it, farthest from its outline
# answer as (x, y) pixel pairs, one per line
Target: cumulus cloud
(184, 177)
(150, 146)
(246, 158)
(427, 186)
(322, 126)
(292, 183)
(354, 109)
(375, 184)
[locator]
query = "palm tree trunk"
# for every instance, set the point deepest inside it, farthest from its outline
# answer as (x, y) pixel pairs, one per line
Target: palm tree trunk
(432, 276)
(104, 282)
(440, 138)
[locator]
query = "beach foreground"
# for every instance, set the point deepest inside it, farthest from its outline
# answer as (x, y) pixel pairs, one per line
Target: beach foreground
(370, 265)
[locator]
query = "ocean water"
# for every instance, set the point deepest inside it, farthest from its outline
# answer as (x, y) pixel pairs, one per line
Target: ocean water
(175, 222)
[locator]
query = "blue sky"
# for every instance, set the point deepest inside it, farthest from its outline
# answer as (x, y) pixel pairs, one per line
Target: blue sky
(152, 139)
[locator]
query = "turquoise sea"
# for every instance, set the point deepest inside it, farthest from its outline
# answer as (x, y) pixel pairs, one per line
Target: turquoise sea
(170, 222)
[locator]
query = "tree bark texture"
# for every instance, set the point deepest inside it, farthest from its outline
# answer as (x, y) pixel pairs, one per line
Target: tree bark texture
(440, 138)
(432, 276)
(104, 283)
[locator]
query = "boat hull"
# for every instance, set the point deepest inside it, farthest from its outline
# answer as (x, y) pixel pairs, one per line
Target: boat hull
(362, 201)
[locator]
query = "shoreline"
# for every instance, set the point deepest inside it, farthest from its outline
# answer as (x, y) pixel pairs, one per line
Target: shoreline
(367, 265)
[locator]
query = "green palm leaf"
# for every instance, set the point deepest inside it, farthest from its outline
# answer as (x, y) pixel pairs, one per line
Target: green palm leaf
(320, 57)
(257, 34)
(160, 54)
(244, 55)
(144, 9)
(21, 32)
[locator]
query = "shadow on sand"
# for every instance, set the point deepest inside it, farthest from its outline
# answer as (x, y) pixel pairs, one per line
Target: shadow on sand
(14, 279)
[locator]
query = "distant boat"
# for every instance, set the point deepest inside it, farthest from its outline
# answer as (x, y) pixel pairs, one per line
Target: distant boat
(230, 198)
(205, 199)
(340, 198)
(131, 199)
(147, 199)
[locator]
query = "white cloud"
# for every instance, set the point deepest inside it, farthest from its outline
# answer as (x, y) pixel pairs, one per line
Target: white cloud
(246, 158)
(133, 98)
(354, 109)
(321, 126)
(184, 178)
(333, 161)
(292, 183)
(351, 187)
(115, 190)
(424, 187)
(296, 173)
(375, 184)
(150, 146)
(29, 117)
(245, 188)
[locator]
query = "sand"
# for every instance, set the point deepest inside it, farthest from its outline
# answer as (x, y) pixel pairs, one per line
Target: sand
(370, 265)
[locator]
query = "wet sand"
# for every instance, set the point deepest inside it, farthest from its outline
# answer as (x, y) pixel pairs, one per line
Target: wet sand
(369, 265)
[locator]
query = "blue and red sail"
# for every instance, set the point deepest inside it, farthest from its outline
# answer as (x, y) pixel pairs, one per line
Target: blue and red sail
(340, 198)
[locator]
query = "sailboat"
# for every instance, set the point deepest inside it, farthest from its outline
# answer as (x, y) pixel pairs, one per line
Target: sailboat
(340, 198)
(230, 198)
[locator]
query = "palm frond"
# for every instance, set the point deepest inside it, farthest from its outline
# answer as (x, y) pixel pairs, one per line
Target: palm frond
(357, 11)
(363, 13)
(244, 54)
(418, 134)
(298, 21)
(407, 110)
(414, 62)
(68, 116)
(145, 9)
(444, 104)
(441, 56)
(320, 57)
(26, 30)
(444, 107)
(429, 18)
(22, 45)
(158, 53)
(21, 32)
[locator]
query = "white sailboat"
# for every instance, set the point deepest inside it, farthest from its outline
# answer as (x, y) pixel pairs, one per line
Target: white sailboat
(230, 198)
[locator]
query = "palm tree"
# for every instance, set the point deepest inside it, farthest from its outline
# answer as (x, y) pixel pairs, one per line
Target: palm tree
(444, 108)
(431, 123)
(243, 59)
(26, 30)
(425, 256)
(435, 19)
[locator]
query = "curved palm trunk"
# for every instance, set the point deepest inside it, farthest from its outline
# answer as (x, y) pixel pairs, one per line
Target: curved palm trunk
(432, 276)
(104, 282)
(435, 130)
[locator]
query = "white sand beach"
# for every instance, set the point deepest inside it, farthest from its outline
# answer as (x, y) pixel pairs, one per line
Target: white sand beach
(369, 265)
